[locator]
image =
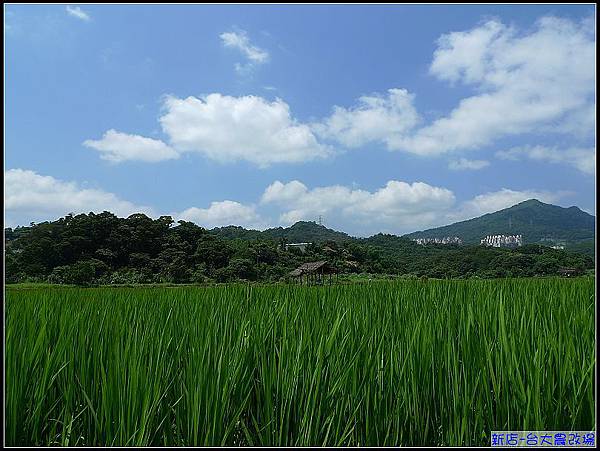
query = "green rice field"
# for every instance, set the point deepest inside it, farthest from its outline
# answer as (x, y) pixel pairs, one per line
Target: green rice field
(386, 363)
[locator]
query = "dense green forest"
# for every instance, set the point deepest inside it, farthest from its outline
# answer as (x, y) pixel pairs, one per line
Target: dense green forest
(105, 249)
(300, 232)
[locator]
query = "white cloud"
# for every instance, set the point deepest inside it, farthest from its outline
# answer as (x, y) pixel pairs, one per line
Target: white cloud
(376, 118)
(223, 213)
(397, 207)
(118, 147)
(77, 12)
(239, 40)
(250, 128)
(526, 83)
(466, 55)
(284, 192)
(33, 197)
(583, 159)
(463, 164)
(541, 81)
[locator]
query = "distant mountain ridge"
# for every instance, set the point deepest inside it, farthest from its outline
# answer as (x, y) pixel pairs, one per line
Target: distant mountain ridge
(536, 221)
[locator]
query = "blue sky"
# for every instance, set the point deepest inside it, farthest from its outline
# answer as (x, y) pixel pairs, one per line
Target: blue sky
(378, 118)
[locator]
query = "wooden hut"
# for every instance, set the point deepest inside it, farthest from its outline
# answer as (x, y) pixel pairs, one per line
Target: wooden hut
(313, 272)
(569, 272)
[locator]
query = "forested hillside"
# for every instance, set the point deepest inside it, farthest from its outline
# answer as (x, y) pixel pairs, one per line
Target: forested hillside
(103, 248)
(300, 232)
(536, 221)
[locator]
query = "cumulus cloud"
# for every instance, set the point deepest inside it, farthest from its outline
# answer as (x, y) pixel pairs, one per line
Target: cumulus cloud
(223, 213)
(583, 159)
(118, 147)
(376, 118)
(397, 207)
(222, 128)
(526, 83)
(283, 193)
(538, 81)
(30, 197)
(77, 12)
(250, 128)
(463, 164)
(239, 40)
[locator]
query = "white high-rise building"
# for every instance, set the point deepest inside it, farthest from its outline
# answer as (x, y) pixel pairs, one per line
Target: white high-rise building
(503, 240)
(444, 240)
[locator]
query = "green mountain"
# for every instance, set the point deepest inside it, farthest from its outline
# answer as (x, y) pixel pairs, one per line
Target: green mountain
(300, 232)
(539, 223)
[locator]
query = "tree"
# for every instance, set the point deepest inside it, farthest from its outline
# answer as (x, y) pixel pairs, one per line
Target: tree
(212, 251)
(82, 273)
(242, 268)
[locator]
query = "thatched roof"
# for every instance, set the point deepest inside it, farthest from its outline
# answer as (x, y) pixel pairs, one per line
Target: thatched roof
(308, 268)
(567, 270)
(311, 266)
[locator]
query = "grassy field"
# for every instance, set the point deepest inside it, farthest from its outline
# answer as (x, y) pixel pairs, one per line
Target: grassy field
(390, 363)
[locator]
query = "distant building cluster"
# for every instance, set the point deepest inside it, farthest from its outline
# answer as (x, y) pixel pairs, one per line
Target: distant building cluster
(503, 240)
(445, 240)
(554, 243)
(301, 246)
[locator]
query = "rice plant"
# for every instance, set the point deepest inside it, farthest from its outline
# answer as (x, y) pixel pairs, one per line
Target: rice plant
(388, 363)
